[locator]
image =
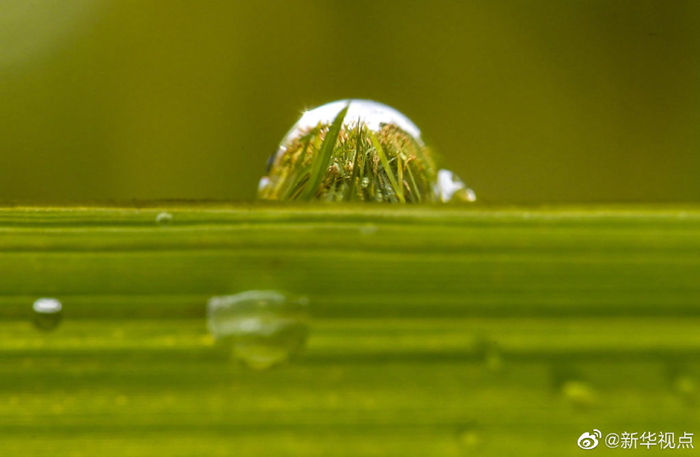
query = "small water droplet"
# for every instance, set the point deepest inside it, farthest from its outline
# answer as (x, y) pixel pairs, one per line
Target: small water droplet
(368, 229)
(450, 188)
(489, 353)
(683, 383)
(262, 327)
(469, 438)
(47, 313)
(470, 195)
(572, 385)
(164, 218)
(579, 393)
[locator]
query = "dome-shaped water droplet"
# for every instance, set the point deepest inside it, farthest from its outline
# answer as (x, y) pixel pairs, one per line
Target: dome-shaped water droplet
(262, 327)
(357, 150)
(47, 313)
(164, 218)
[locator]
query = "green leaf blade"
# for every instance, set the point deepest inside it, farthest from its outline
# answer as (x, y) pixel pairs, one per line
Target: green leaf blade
(324, 156)
(385, 164)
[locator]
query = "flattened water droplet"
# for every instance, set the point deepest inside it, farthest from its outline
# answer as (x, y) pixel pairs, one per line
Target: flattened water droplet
(368, 229)
(164, 218)
(262, 327)
(579, 393)
(568, 382)
(47, 313)
(358, 150)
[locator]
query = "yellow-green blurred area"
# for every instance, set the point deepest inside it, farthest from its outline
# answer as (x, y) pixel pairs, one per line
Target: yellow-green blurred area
(528, 101)
(433, 331)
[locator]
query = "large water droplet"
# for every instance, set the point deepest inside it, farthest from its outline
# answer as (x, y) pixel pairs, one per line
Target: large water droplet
(47, 313)
(358, 150)
(262, 327)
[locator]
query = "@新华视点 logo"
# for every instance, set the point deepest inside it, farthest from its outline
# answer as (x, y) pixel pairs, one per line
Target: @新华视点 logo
(589, 440)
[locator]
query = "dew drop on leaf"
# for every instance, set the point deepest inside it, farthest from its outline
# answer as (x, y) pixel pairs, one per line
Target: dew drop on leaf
(262, 327)
(47, 313)
(358, 150)
(164, 218)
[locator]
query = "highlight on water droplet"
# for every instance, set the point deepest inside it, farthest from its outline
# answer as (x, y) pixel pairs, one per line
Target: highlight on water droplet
(164, 218)
(47, 313)
(262, 327)
(573, 387)
(579, 393)
(358, 150)
(449, 188)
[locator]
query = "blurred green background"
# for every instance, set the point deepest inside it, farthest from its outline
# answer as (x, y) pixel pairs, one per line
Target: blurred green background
(544, 101)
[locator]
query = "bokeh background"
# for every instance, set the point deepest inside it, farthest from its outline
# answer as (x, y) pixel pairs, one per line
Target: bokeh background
(544, 101)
